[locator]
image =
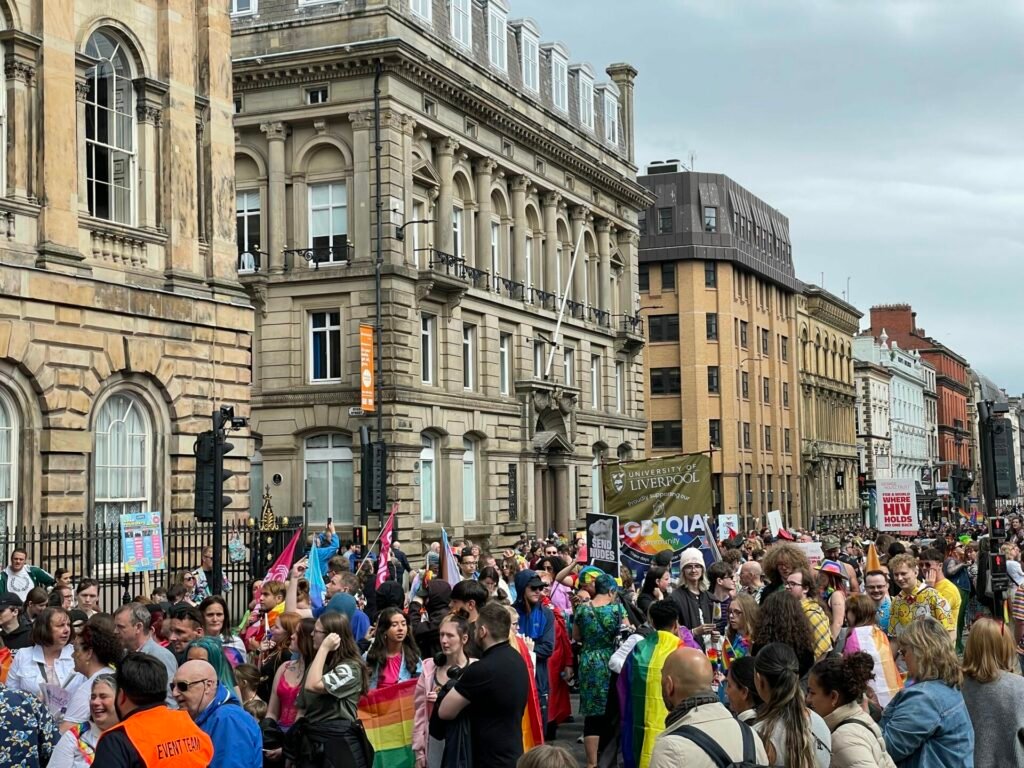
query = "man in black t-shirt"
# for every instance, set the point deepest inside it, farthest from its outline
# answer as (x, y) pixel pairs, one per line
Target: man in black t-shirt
(492, 692)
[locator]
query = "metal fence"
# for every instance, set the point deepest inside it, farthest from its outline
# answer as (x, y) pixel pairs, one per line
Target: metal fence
(96, 552)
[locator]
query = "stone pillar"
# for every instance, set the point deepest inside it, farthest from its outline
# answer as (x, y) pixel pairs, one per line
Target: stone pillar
(149, 111)
(550, 204)
(629, 242)
(538, 496)
(604, 266)
(20, 54)
(445, 151)
(579, 274)
(623, 76)
(276, 135)
(362, 180)
(519, 187)
(482, 170)
(561, 500)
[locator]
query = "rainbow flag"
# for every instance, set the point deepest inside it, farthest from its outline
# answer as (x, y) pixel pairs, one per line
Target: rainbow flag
(387, 715)
(641, 707)
(734, 649)
(533, 728)
(873, 641)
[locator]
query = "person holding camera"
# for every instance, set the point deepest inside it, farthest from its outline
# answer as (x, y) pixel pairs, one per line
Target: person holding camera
(447, 664)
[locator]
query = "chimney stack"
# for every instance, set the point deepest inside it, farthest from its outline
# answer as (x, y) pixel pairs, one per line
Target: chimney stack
(623, 76)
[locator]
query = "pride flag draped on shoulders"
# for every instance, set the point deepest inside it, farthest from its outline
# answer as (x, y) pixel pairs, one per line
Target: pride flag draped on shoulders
(873, 641)
(641, 707)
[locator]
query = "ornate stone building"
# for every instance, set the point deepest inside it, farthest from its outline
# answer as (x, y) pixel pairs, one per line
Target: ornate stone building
(497, 156)
(826, 326)
(122, 322)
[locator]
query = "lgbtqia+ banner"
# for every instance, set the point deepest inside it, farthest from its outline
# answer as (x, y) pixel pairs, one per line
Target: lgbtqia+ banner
(661, 504)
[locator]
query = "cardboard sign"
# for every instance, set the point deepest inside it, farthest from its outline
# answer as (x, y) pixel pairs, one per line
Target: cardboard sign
(775, 521)
(142, 542)
(727, 523)
(813, 551)
(897, 504)
(603, 542)
(366, 367)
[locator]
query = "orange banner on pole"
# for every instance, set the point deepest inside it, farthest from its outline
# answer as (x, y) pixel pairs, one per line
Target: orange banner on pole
(366, 367)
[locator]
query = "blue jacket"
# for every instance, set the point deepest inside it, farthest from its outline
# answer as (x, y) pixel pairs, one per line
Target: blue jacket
(237, 740)
(927, 726)
(325, 550)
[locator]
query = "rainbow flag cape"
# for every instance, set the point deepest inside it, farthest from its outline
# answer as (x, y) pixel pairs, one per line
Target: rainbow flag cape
(387, 715)
(872, 641)
(641, 707)
(533, 728)
(734, 649)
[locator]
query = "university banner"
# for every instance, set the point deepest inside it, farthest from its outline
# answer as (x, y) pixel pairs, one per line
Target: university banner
(661, 504)
(897, 502)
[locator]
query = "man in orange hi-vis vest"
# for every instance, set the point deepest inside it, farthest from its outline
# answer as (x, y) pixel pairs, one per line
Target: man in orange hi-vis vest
(150, 735)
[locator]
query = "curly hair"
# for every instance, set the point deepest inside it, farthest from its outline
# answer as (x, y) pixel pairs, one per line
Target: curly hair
(784, 554)
(846, 675)
(782, 620)
(102, 642)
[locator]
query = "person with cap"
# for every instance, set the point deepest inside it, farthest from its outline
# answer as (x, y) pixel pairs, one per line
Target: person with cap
(15, 630)
(537, 622)
(831, 547)
(832, 583)
(692, 599)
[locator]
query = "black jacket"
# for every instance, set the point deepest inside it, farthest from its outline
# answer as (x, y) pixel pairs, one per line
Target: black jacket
(693, 611)
(20, 638)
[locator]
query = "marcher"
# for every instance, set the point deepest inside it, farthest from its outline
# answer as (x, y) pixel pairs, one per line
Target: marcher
(537, 622)
(782, 620)
(210, 650)
(927, 725)
(15, 629)
(393, 656)
(837, 686)
(933, 576)
(743, 618)
(203, 575)
(150, 735)
(217, 623)
(20, 578)
(29, 732)
(277, 649)
(656, 584)
(800, 584)
(96, 652)
(77, 747)
(453, 635)
(750, 579)
(282, 706)
(876, 586)
(437, 596)
(741, 690)
(692, 599)
(914, 600)
(832, 581)
(994, 695)
(132, 623)
(696, 715)
(185, 626)
(779, 562)
(87, 597)
(47, 669)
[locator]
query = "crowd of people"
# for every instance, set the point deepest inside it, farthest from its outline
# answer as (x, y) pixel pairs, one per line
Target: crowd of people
(884, 651)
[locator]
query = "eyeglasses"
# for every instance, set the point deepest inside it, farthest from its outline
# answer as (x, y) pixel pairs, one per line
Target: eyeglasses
(318, 631)
(794, 584)
(190, 578)
(735, 612)
(181, 686)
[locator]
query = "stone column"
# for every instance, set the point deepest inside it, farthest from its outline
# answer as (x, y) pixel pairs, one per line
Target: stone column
(445, 151)
(482, 170)
(519, 187)
(19, 69)
(561, 500)
(276, 135)
(579, 274)
(604, 266)
(550, 204)
(629, 242)
(149, 111)
(623, 76)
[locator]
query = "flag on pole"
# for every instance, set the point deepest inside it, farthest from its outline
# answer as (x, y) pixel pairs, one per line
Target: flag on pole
(712, 543)
(257, 629)
(315, 577)
(449, 565)
(283, 565)
(385, 546)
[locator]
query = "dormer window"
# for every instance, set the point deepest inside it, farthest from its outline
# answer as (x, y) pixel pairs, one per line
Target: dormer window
(497, 37)
(585, 88)
(462, 22)
(530, 45)
(611, 117)
(559, 81)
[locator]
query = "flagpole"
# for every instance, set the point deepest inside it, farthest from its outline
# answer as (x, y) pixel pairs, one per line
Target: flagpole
(370, 549)
(561, 309)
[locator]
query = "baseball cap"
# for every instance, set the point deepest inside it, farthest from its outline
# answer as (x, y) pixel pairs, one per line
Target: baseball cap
(830, 542)
(10, 600)
(536, 582)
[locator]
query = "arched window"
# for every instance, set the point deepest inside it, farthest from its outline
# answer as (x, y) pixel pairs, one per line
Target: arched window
(123, 460)
(8, 464)
(328, 476)
(110, 144)
(428, 480)
(469, 487)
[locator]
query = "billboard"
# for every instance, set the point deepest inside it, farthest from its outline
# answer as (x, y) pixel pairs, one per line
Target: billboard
(661, 504)
(897, 505)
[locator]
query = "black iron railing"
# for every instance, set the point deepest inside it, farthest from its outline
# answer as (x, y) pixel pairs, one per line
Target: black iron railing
(317, 255)
(632, 324)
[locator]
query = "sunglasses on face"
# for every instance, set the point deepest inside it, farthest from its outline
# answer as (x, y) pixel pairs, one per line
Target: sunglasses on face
(182, 686)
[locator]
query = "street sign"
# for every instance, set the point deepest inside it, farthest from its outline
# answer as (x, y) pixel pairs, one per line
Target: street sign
(356, 411)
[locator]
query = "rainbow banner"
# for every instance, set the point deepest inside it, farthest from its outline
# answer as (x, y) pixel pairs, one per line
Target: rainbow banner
(873, 641)
(533, 727)
(387, 715)
(641, 706)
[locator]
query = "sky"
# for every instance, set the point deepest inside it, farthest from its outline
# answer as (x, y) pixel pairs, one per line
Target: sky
(890, 132)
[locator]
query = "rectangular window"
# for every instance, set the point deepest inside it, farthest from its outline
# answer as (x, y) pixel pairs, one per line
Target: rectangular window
(668, 276)
(328, 223)
(427, 336)
(559, 82)
(665, 221)
(665, 381)
(711, 326)
(784, 348)
(767, 438)
(457, 232)
(247, 229)
(744, 333)
(586, 93)
(764, 342)
(462, 22)
(317, 94)
(325, 346)
(645, 277)
(666, 434)
(468, 356)
(766, 390)
(595, 381)
(569, 366)
(239, 7)
(421, 8)
(611, 118)
(620, 387)
(539, 359)
(495, 256)
(746, 435)
(710, 274)
(505, 363)
(531, 61)
(715, 432)
(710, 219)
(497, 38)
(786, 445)
(663, 327)
(785, 395)
(641, 222)
(745, 385)
(713, 380)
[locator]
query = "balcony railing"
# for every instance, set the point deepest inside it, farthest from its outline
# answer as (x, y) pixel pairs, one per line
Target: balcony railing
(328, 255)
(511, 289)
(632, 324)
(250, 262)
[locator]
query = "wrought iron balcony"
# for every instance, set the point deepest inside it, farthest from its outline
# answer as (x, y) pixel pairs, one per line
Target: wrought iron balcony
(511, 289)
(328, 255)
(630, 333)
(251, 262)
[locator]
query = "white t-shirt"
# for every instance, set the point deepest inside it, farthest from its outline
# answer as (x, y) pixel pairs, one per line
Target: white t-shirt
(822, 742)
(78, 706)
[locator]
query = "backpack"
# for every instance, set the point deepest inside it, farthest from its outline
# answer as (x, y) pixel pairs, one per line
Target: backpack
(715, 753)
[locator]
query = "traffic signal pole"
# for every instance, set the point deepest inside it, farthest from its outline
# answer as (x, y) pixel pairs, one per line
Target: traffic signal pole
(215, 580)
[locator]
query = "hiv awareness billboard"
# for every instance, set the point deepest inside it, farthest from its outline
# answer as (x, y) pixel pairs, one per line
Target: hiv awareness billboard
(661, 504)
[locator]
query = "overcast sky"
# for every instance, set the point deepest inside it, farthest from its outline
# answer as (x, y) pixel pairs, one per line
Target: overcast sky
(890, 132)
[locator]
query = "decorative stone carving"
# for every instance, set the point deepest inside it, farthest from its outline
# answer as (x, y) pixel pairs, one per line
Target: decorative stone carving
(446, 146)
(149, 114)
(19, 70)
(275, 131)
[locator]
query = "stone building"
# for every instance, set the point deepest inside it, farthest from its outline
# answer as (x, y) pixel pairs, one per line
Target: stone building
(719, 295)
(826, 326)
(874, 435)
(498, 155)
(122, 322)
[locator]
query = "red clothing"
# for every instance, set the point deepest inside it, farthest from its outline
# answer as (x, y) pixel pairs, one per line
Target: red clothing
(559, 705)
(391, 671)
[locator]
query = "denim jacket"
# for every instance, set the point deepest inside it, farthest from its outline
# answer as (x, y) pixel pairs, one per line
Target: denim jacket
(927, 726)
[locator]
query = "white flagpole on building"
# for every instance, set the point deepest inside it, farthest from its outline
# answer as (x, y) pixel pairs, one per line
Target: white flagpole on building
(556, 340)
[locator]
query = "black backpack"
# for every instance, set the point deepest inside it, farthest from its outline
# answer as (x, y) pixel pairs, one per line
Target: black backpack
(715, 752)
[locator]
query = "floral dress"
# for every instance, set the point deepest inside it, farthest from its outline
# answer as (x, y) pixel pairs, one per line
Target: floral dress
(599, 630)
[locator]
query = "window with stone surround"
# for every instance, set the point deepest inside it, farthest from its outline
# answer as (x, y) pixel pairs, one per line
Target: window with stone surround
(325, 346)
(462, 22)
(611, 118)
(329, 479)
(585, 87)
(469, 481)
(428, 334)
(243, 7)
(428, 479)
(122, 463)
(421, 8)
(328, 223)
(505, 364)
(247, 229)
(9, 428)
(559, 81)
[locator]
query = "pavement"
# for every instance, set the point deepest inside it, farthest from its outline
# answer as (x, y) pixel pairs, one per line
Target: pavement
(568, 733)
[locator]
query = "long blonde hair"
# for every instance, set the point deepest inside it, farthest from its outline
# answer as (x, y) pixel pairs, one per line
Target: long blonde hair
(934, 655)
(990, 651)
(751, 612)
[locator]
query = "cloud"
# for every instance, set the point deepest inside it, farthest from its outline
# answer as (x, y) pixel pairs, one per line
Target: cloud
(887, 130)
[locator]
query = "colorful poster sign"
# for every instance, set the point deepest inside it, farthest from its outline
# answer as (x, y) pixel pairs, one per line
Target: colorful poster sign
(366, 367)
(897, 502)
(603, 542)
(660, 503)
(142, 542)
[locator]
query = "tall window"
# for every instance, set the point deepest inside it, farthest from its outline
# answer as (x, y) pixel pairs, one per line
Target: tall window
(462, 22)
(714, 384)
(595, 381)
(427, 333)
(497, 38)
(611, 118)
(710, 274)
(744, 333)
(110, 131)
(711, 326)
(559, 82)
(569, 364)
(644, 273)
(766, 389)
(468, 480)
(468, 356)
(328, 478)
(505, 363)
(710, 219)
(123, 461)
(531, 61)
(668, 276)
(665, 220)
(8, 464)
(457, 232)
(620, 387)
(529, 262)
(247, 228)
(765, 346)
(586, 91)
(328, 222)
(715, 432)
(325, 346)
(428, 478)
(495, 256)
(421, 8)
(538, 359)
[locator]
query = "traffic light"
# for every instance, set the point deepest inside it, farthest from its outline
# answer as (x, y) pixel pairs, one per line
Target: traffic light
(205, 449)
(997, 528)
(1000, 579)
(223, 449)
(1003, 459)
